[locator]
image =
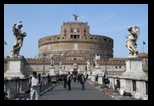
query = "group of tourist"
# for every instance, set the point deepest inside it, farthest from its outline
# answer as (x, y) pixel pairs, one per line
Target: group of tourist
(36, 82)
(106, 83)
(67, 78)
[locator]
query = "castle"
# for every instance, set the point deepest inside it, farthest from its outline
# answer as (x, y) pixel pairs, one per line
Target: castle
(77, 46)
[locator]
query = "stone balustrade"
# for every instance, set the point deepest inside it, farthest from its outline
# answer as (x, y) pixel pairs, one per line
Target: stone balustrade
(138, 87)
(15, 85)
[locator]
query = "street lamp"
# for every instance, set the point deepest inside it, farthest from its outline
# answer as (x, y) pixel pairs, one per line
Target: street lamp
(106, 59)
(37, 62)
(44, 63)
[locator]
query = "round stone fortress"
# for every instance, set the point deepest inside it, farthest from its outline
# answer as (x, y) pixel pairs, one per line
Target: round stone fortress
(76, 43)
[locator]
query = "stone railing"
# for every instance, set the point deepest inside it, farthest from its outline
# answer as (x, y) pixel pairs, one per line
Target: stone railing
(15, 85)
(137, 87)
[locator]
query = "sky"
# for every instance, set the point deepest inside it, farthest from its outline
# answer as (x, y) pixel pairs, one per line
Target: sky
(40, 20)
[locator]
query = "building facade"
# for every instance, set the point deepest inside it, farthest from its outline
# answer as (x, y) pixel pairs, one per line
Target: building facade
(76, 42)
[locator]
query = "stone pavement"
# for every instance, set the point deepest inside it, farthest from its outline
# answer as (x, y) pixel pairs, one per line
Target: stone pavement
(91, 92)
(76, 93)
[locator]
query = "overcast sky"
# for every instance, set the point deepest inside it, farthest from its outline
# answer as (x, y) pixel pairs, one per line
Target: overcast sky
(40, 20)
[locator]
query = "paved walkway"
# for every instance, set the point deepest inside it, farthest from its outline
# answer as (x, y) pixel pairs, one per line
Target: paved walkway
(76, 93)
(43, 90)
(91, 92)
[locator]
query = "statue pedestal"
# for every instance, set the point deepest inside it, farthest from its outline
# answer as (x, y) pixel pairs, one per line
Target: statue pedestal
(96, 71)
(52, 70)
(16, 68)
(134, 68)
(97, 67)
(61, 72)
(88, 71)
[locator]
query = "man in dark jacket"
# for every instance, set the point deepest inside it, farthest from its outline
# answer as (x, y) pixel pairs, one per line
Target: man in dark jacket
(65, 80)
(69, 78)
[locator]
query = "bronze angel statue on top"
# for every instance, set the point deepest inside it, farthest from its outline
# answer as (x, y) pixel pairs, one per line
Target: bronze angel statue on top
(131, 40)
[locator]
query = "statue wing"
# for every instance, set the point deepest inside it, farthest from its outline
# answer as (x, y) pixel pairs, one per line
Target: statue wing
(14, 30)
(51, 56)
(137, 30)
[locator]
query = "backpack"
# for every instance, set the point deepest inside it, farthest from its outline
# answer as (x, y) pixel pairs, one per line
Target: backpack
(127, 94)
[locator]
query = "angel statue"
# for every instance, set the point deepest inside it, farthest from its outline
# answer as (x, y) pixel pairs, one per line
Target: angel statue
(88, 65)
(75, 17)
(131, 40)
(18, 39)
(52, 60)
(97, 57)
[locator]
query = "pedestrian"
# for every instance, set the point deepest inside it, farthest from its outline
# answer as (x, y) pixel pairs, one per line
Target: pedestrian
(40, 79)
(65, 80)
(69, 78)
(74, 78)
(78, 77)
(117, 85)
(49, 79)
(82, 81)
(86, 76)
(57, 78)
(96, 79)
(35, 85)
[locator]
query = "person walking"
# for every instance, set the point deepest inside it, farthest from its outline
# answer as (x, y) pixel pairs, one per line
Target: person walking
(35, 84)
(49, 79)
(82, 81)
(65, 80)
(96, 79)
(69, 81)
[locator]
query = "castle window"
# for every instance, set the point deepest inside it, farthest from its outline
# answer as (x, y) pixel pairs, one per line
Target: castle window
(115, 66)
(65, 30)
(74, 36)
(91, 38)
(109, 40)
(78, 36)
(78, 30)
(105, 39)
(84, 30)
(95, 38)
(65, 34)
(71, 36)
(119, 66)
(58, 37)
(84, 34)
(71, 29)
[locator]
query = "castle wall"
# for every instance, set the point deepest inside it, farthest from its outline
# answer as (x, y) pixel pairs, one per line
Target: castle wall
(75, 36)
(114, 66)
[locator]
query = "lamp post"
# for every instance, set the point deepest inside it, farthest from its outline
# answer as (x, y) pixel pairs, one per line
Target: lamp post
(44, 64)
(106, 59)
(36, 62)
